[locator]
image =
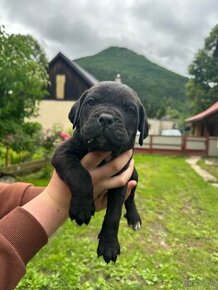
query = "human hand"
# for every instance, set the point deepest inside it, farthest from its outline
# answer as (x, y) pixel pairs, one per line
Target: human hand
(103, 176)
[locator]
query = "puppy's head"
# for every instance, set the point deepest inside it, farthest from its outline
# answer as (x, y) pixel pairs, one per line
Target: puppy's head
(107, 117)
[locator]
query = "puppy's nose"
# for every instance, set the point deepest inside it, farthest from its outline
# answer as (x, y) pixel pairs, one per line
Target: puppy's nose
(106, 119)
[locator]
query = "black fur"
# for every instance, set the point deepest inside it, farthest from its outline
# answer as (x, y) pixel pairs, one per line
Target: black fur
(106, 117)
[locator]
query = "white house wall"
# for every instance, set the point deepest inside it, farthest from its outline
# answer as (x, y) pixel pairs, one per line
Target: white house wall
(53, 112)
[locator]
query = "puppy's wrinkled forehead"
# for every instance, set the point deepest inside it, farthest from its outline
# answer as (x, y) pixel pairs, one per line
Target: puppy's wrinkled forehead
(112, 91)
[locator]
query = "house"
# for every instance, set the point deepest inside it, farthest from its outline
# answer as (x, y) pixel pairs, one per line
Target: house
(205, 124)
(67, 82)
(67, 79)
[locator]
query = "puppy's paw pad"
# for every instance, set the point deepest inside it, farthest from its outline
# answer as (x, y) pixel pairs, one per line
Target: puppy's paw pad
(134, 221)
(109, 250)
(82, 214)
(136, 226)
(83, 219)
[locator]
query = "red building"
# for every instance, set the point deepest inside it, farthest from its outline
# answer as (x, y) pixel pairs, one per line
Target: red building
(205, 124)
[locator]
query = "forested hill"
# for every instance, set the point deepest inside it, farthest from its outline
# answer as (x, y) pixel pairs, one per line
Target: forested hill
(157, 87)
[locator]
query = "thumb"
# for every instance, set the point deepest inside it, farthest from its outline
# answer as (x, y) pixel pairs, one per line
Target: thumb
(131, 184)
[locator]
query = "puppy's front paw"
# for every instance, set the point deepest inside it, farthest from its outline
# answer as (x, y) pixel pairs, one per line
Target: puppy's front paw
(109, 249)
(133, 220)
(81, 212)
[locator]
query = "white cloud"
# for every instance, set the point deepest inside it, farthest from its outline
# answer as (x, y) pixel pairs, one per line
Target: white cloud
(168, 32)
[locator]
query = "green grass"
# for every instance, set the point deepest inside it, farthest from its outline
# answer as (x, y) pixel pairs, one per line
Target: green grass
(177, 247)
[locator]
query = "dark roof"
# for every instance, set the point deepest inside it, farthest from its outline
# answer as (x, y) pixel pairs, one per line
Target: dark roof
(82, 72)
(211, 110)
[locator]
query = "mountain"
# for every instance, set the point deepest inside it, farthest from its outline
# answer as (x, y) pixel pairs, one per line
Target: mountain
(159, 89)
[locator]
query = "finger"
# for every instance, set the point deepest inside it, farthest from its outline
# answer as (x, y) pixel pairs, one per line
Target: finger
(93, 159)
(101, 201)
(119, 180)
(131, 184)
(111, 168)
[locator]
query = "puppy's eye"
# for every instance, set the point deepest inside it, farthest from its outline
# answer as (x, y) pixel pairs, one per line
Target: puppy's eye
(91, 102)
(130, 110)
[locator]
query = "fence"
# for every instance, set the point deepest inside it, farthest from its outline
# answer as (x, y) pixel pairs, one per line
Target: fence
(202, 146)
(23, 168)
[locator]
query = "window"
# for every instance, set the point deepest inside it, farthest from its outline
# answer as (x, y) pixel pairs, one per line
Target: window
(60, 86)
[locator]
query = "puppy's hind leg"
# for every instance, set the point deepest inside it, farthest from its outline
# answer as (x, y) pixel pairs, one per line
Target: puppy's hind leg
(132, 215)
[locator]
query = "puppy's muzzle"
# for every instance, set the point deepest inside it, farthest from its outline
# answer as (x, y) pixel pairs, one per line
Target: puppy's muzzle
(106, 119)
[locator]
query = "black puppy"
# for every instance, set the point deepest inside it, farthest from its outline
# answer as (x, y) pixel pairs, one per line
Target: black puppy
(106, 117)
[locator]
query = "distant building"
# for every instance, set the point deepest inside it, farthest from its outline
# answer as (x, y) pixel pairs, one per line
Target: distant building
(68, 79)
(205, 124)
(157, 126)
(67, 83)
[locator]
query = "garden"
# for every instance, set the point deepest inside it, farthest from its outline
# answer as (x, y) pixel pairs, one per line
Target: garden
(176, 248)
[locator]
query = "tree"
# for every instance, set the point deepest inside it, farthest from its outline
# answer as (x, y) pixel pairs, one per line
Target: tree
(202, 88)
(23, 83)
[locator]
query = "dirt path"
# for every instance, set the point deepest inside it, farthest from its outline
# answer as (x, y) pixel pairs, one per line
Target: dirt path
(203, 173)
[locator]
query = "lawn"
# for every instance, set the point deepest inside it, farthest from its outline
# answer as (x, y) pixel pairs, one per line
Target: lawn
(177, 247)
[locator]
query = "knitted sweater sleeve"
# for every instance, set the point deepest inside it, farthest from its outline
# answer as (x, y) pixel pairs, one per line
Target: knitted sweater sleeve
(21, 235)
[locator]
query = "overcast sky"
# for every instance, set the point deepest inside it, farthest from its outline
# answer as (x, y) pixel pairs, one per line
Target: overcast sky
(168, 32)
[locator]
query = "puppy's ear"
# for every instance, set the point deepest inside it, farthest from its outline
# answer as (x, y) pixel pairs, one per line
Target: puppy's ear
(75, 110)
(143, 125)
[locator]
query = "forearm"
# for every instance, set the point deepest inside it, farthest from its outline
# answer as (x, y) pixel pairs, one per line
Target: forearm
(51, 207)
(21, 237)
(17, 194)
(25, 230)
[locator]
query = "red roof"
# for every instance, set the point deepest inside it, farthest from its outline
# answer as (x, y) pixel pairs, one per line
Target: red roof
(204, 114)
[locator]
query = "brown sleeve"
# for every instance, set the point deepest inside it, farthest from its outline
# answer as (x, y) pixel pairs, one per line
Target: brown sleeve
(16, 194)
(21, 237)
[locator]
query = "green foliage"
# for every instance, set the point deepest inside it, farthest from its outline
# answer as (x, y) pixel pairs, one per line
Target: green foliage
(52, 138)
(202, 88)
(23, 77)
(157, 87)
(23, 83)
(24, 140)
(175, 249)
(28, 137)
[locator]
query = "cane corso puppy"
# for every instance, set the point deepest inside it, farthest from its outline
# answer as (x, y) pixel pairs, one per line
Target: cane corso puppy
(106, 117)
